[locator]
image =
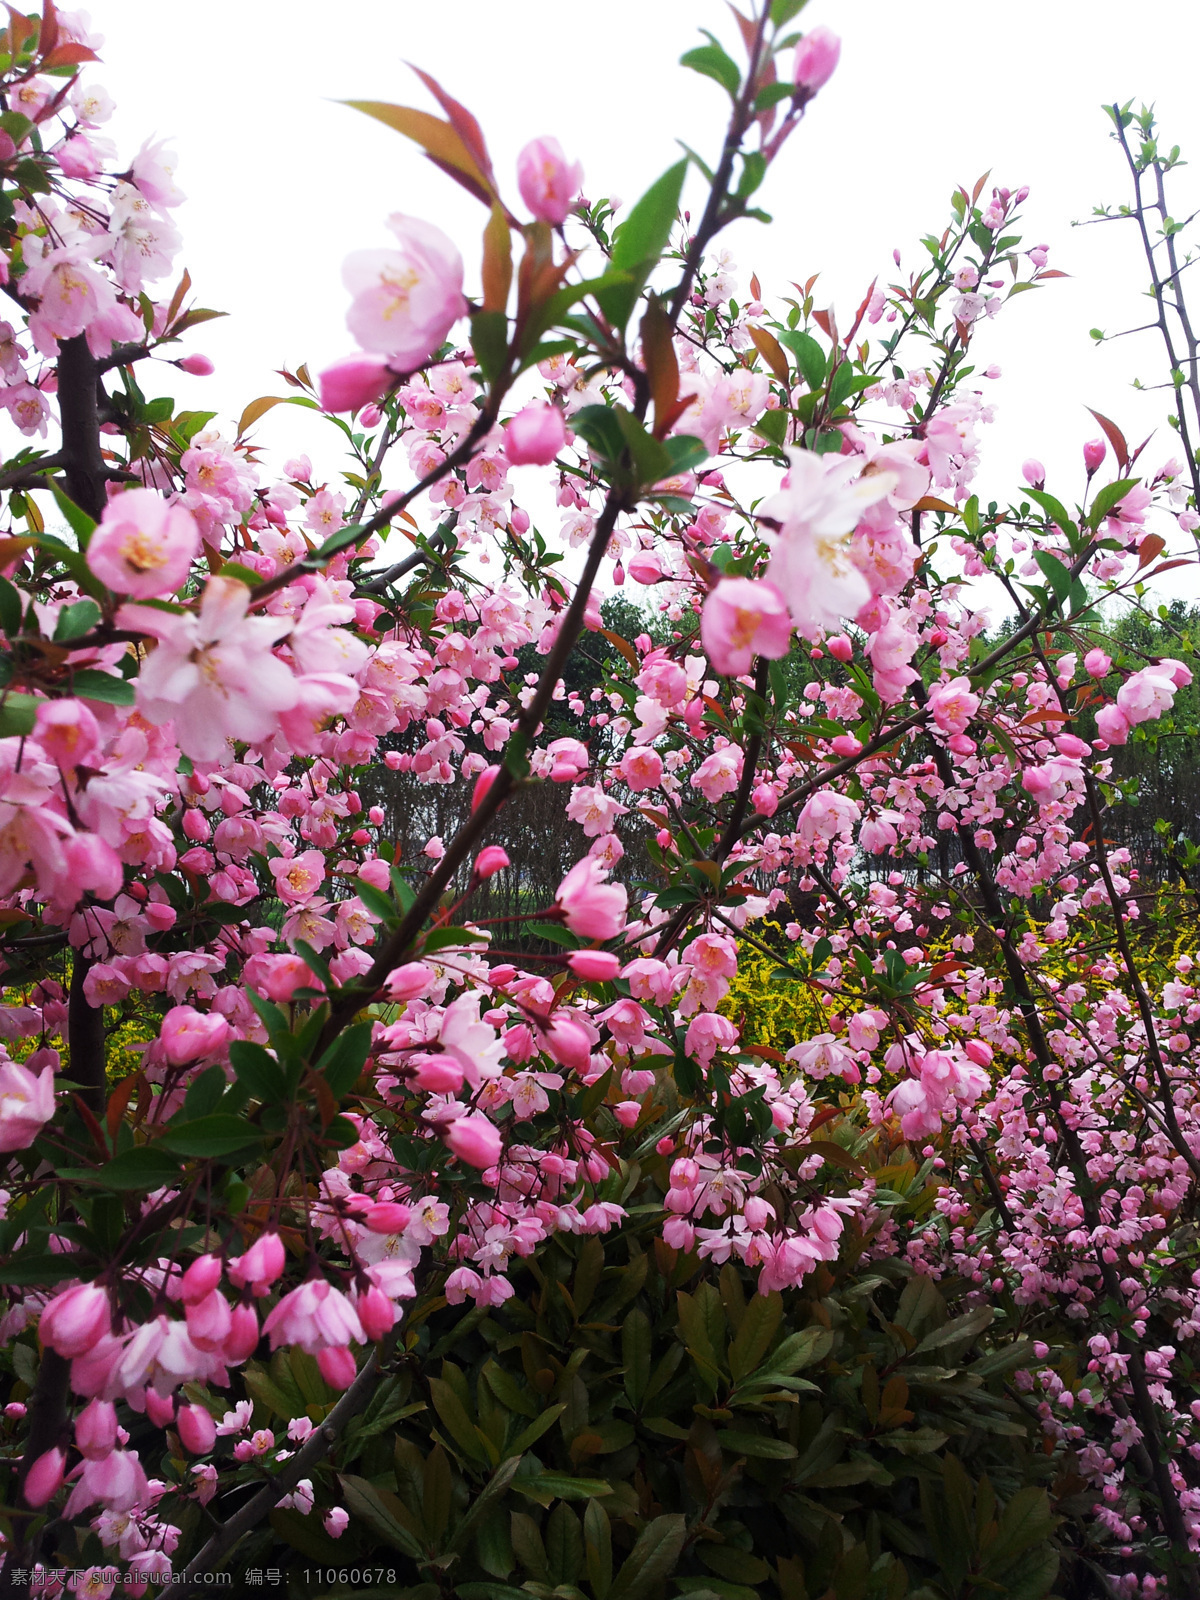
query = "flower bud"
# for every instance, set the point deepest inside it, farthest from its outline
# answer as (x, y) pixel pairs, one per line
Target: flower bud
(337, 1366)
(199, 366)
(815, 59)
(243, 1335)
(389, 1216)
(1034, 473)
(376, 1312)
(197, 1429)
(1094, 452)
(491, 860)
(44, 1478)
(534, 436)
(547, 181)
(474, 1140)
(594, 966)
(353, 382)
(96, 1430)
(159, 1408)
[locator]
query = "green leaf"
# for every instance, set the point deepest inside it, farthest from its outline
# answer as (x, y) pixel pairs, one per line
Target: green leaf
(489, 341)
(482, 1502)
(652, 1558)
(343, 1062)
(711, 62)
(636, 1345)
(1058, 575)
(377, 901)
(773, 426)
(599, 427)
(91, 684)
(146, 1167)
(597, 1539)
(76, 620)
(1107, 498)
(685, 452)
(1026, 1521)
(258, 1070)
(530, 1435)
(351, 534)
(760, 1323)
(782, 11)
(11, 608)
(451, 939)
(808, 354)
(548, 1486)
(1057, 511)
(756, 1444)
(771, 94)
(383, 1513)
(639, 242)
(17, 714)
(453, 1414)
(216, 1135)
(81, 525)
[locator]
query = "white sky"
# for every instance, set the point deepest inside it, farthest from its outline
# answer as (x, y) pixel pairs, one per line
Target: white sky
(283, 182)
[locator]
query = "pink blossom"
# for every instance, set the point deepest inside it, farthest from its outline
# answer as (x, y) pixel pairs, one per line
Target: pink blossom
(26, 1104)
(547, 181)
(213, 674)
(743, 619)
(406, 300)
(641, 768)
(1094, 452)
(336, 1521)
(953, 704)
(591, 908)
(188, 1035)
(816, 512)
(314, 1316)
(143, 546)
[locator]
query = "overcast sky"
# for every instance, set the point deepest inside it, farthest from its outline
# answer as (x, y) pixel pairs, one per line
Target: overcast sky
(283, 181)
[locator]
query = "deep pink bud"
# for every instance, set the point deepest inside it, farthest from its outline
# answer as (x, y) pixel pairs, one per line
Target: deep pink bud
(196, 826)
(475, 1140)
(490, 860)
(337, 1366)
(547, 181)
(7, 148)
(376, 1312)
(594, 966)
(644, 567)
(1094, 452)
(44, 1478)
(483, 783)
(816, 58)
(840, 647)
(96, 1430)
(353, 382)
(199, 366)
(159, 1408)
(1096, 664)
(1034, 473)
(408, 981)
(243, 1335)
(197, 1429)
(535, 436)
(201, 1278)
(389, 1216)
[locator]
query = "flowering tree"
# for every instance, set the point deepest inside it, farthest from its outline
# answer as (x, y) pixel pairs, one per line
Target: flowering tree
(278, 1098)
